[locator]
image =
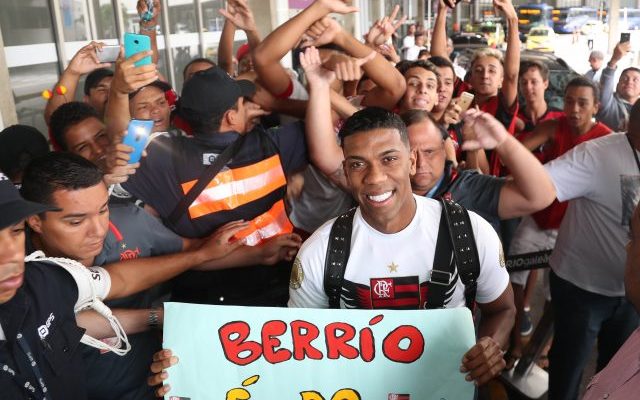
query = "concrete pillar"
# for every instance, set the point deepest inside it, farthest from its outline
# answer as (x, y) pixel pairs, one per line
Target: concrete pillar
(8, 114)
(420, 13)
(614, 28)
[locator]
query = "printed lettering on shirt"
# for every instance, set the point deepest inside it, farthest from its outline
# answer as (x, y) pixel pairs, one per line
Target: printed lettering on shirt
(43, 330)
(130, 254)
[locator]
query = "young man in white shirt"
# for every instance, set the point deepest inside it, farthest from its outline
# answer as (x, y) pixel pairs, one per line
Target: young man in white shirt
(393, 242)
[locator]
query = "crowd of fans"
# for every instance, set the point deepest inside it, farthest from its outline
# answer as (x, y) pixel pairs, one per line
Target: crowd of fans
(236, 198)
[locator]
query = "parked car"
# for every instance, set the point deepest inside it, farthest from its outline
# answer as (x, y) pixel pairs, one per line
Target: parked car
(469, 41)
(541, 38)
(592, 27)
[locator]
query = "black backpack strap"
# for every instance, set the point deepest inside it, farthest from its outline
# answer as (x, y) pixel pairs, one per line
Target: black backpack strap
(207, 175)
(465, 250)
(443, 271)
(337, 256)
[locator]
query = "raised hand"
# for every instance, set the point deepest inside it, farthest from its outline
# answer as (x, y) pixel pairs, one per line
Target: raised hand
(239, 14)
(118, 167)
(128, 78)
(489, 132)
(348, 68)
(86, 59)
(315, 73)
(338, 6)
(321, 32)
(382, 30)
(506, 6)
(483, 361)
(141, 7)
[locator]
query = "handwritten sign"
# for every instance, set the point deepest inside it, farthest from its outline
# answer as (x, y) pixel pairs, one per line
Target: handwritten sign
(237, 353)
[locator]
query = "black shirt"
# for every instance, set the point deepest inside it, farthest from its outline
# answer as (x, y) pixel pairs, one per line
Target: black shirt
(42, 311)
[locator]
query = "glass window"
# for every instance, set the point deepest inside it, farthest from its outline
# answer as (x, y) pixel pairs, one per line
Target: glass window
(211, 18)
(74, 25)
(27, 83)
(184, 36)
(105, 19)
(25, 23)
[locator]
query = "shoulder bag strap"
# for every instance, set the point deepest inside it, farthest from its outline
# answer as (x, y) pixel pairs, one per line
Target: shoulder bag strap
(337, 256)
(207, 175)
(439, 282)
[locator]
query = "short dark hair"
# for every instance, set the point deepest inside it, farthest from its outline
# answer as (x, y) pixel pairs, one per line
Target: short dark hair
(201, 123)
(423, 52)
(633, 69)
(19, 144)
(425, 64)
(442, 62)
(373, 118)
(196, 60)
(527, 65)
(57, 171)
(94, 78)
(66, 116)
(416, 116)
(581, 81)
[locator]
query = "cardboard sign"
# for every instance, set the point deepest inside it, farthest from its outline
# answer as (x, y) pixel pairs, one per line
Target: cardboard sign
(233, 353)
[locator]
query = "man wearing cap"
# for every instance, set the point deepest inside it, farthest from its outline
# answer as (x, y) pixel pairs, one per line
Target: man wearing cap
(96, 86)
(249, 185)
(39, 331)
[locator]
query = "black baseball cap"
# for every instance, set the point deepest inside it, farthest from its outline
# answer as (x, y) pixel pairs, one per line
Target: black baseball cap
(213, 92)
(13, 208)
(95, 77)
(19, 144)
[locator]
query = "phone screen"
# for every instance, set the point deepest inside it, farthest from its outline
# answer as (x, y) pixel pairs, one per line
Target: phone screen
(625, 37)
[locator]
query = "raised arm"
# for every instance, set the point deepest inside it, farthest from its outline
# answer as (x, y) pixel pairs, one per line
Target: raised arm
(83, 62)
(607, 81)
(133, 276)
(530, 188)
(148, 28)
(540, 135)
(238, 15)
(439, 38)
(512, 56)
(127, 79)
(324, 151)
(277, 44)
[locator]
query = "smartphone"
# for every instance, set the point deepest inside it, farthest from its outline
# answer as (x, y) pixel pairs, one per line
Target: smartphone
(466, 99)
(134, 44)
(137, 137)
(108, 54)
(625, 37)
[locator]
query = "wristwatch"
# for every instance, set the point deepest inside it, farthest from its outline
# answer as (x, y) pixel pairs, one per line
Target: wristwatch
(153, 320)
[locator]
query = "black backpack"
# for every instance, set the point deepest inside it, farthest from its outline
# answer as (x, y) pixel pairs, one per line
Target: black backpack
(455, 234)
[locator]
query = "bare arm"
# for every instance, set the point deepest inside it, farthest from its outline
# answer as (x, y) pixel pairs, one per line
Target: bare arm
(324, 151)
(485, 360)
(225, 47)
(148, 28)
(342, 106)
(133, 321)
(237, 15)
(127, 79)
(83, 62)
(512, 56)
(439, 38)
(540, 135)
(267, 55)
(530, 188)
(133, 276)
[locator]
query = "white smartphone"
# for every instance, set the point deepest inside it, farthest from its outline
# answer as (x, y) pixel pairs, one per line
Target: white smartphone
(466, 99)
(108, 54)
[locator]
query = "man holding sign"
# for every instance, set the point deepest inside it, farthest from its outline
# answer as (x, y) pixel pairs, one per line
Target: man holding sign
(393, 236)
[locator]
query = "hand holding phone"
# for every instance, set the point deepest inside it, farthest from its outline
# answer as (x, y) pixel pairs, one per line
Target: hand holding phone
(134, 44)
(625, 37)
(137, 137)
(108, 54)
(466, 99)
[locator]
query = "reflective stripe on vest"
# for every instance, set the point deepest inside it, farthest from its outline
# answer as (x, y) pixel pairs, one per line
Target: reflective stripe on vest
(271, 223)
(235, 187)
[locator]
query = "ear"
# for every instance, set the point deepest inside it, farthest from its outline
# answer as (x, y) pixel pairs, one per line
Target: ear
(546, 84)
(596, 107)
(35, 223)
(412, 162)
(85, 98)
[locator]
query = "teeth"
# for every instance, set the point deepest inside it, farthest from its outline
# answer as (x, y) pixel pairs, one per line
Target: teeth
(380, 198)
(420, 103)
